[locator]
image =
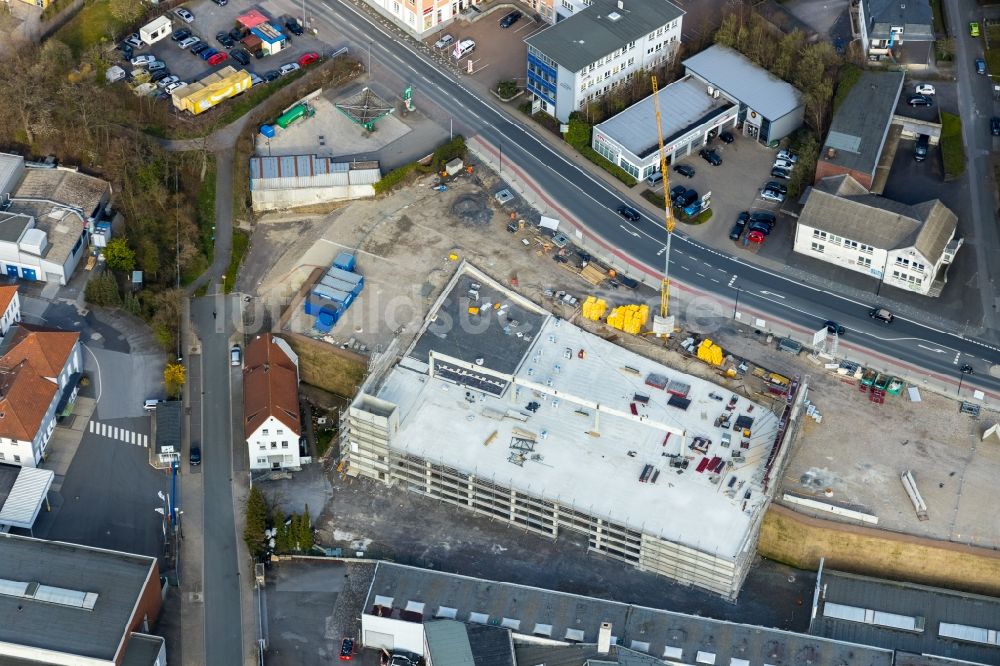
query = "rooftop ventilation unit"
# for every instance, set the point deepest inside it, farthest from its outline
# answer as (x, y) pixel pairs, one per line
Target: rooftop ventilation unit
(614, 16)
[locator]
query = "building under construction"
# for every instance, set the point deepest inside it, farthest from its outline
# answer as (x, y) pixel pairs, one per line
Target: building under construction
(506, 410)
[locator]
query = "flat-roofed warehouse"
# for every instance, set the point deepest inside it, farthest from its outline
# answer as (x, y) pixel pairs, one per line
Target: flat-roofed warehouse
(519, 415)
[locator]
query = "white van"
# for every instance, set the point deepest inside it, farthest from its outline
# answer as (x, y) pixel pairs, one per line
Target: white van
(150, 404)
(654, 178)
(235, 356)
(463, 48)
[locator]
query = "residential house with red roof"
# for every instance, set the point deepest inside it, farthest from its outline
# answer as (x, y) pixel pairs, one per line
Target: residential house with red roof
(271, 419)
(39, 373)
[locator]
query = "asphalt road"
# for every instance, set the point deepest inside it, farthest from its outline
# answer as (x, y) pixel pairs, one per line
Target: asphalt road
(221, 585)
(711, 279)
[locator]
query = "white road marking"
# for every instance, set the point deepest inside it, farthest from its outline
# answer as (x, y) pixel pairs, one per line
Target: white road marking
(933, 349)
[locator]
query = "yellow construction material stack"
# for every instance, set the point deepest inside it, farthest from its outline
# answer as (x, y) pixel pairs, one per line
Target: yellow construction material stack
(594, 308)
(629, 318)
(710, 353)
(209, 91)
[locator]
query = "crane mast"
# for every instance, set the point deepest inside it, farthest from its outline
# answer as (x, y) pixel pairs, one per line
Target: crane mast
(663, 325)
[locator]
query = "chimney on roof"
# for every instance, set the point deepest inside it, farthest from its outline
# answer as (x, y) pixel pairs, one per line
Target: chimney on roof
(267, 366)
(604, 638)
(831, 152)
(621, 4)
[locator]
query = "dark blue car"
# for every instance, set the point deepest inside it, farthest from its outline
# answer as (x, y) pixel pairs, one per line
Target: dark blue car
(208, 53)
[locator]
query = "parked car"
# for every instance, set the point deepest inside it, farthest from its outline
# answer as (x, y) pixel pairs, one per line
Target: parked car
(764, 216)
(180, 34)
(784, 164)
(995, 126)
(629, 213)
(685, 170)
(240, 56)
(289, 68)
(156, 66)
(200, 48)
(237, 34)
(293, 26)
(771, 195)
(189, 42)
(980, 66)
(920, 100)
(271, 75)
(654, 179)
(787, 155)
(194, 457)
(444, 42)
(779, 172)
(150, 404)
(677, 191)
(726, 137)
(254, 79)
(142, 60)
(710, 156)
(160, 76)
(921, 148)
(221, 3)
(973, 29)
(510, 19)
(174, 86)
(347, 649)
(835, 328)
(759, 227)
(235, 356)
(741, 223)
(881, 314)
(218, 59)
(688, 198)
(925, 89)
(208, 53)
(135, 41)
(184, 15)
(223, 38)
(775, 186)
(308, 58)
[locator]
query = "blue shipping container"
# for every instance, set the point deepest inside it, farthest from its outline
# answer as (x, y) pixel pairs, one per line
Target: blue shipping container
(267, 130)
(321, 327)
(335, 283)
(346, 276)
(343, 297)
(344, 261)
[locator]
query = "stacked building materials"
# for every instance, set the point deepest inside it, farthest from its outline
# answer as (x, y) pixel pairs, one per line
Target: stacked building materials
(334, 292)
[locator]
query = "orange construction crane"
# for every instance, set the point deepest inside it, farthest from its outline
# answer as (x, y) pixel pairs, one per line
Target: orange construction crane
(665, 325)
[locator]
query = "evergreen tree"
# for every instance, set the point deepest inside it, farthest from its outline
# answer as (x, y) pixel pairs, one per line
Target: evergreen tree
(281, 532)
(256, 522)
(305, 532)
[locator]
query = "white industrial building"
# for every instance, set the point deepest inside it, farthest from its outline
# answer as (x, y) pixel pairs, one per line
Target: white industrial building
(769, 109)
(155, 30)
(594, 50)
(538, 414)
(48, 218)
(910, 247)
(304, 180)
(690, 115)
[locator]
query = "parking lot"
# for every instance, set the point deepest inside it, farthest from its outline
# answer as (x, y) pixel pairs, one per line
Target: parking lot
(735, 186)
(210, 19)
(500, 53)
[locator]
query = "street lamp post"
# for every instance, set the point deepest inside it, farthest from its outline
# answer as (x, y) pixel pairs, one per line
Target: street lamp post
(885, 267)
(965, 370)
(369, 60)
(501, 159)
(737, 303)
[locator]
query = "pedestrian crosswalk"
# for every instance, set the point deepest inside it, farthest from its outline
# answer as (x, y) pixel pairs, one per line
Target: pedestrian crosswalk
(121, 434)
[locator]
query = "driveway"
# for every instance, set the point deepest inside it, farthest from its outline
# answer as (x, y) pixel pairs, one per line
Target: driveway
(500, 54)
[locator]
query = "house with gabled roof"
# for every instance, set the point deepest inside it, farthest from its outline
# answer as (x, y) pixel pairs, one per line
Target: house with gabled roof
(910, 247)
(271, 419)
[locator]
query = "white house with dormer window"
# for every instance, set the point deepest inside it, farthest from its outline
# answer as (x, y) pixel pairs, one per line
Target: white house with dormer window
(272, 421)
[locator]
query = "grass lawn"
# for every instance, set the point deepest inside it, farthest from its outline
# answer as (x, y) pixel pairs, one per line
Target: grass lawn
(205, 220)
(952, 150)
(241, 241)
(92, 25)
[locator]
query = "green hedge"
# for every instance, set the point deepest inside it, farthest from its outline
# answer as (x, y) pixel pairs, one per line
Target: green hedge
(616, 171)
(952, 150)
(701, 218)
(443, 154)
(241, 241)
(394, 178)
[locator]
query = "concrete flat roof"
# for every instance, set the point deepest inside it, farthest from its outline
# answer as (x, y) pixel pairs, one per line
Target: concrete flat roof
(117, 579)
(559, 616)
(859, 127)
(569, 459)
(23, 492)
(894, 603)
(684, 105)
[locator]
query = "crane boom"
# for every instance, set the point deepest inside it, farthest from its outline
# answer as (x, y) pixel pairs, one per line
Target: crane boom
(668, 212)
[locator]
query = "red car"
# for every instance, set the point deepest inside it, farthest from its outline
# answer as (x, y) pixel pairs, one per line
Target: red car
(218, 58)
(308, 59)
(347, 649)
